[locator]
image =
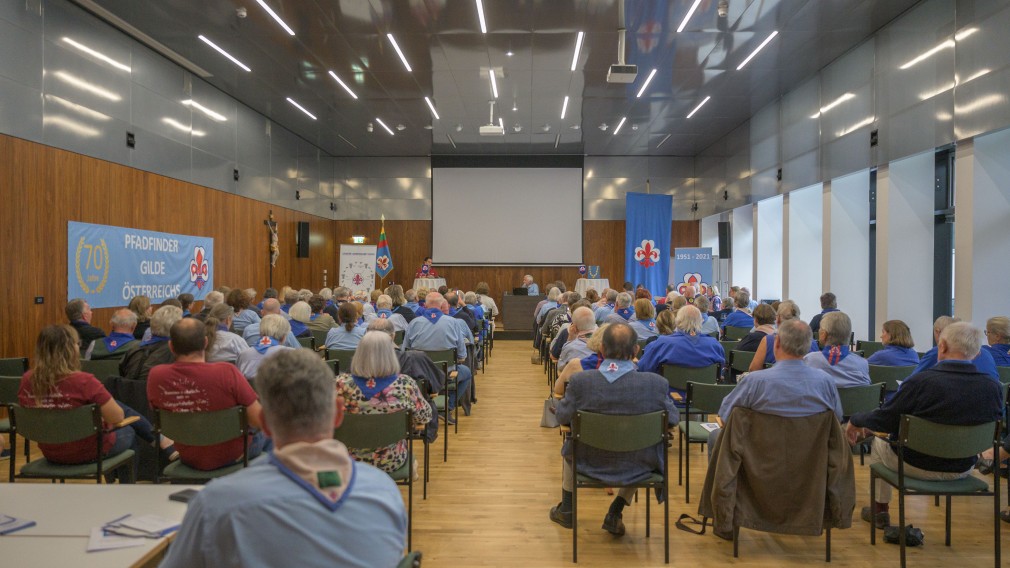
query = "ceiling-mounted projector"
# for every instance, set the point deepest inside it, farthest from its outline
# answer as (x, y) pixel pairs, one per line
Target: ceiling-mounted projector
(492, 130)
(622, 73)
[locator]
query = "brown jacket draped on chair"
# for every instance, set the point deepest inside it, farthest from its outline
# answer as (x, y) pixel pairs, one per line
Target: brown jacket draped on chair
(781, 475)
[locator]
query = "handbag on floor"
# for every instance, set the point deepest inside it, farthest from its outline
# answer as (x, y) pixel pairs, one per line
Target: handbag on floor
(548, 419)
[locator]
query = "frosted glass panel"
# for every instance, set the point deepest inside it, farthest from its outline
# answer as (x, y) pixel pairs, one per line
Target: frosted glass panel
(806, 217)
(742, 264)
(850, 247)
(769, 249)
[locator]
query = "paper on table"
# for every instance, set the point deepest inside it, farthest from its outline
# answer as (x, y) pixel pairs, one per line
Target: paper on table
(152, 524)
(99, 540)
(709, 426)
(10, 524)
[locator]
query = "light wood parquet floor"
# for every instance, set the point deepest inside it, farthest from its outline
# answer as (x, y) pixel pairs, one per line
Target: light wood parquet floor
(488, 505)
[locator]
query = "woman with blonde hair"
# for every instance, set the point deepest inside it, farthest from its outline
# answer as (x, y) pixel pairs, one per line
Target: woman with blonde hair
(141, 305)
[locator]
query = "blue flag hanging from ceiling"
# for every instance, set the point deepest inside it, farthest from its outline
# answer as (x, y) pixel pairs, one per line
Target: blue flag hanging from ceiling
(649, 221)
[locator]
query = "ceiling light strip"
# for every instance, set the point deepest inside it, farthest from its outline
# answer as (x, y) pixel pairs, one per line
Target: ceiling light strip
(301, 108)
(494, 83)
(758, 50)
(342, 84)
(403, 58)
(619, 125)
(578, 48)
(646, 84)
(697, 108)
(224, 53)
(383, 124)
(277, 18)
(690, 13)
(451, 141)
(480, 15)
(564, 108)
(557, 141)
(96, 54)
(432, 107)
(663, 141)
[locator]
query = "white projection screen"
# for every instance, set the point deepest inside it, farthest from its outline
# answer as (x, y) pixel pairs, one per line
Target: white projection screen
(497, 216)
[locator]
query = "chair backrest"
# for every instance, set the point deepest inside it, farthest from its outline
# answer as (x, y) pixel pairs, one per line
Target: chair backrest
(736, 333)
(319, 337)
(945, 441)
(13, 366)
(334, 366)
(9, 387)
(619, 432)
(56, 426)
(641, 346)
(728, 346)
(373, 430)
(1004, 375)
(705, 398)
(343, 358)
(202, 428)
(740, 361)
(307, 342)
(102, 368)
(411, 560)
(861, 399)
(678, 376)
(447, 356)
(890, 375)
(398, 337)
(869, 347)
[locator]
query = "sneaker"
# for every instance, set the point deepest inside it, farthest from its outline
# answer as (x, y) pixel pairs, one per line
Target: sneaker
(984, 466)
(881, 519)
(614, 524)
(450, 419)
(5, 454)
(169, 454)
(563, 518)
(1005, 516)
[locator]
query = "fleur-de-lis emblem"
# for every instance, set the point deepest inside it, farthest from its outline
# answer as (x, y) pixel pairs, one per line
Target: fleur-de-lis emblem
(199, 268)
(612, 366)
(647, 255)
(382, 262)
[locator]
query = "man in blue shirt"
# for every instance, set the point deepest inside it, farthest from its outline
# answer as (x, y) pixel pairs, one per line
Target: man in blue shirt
(251, 333)
(531, 286)
(433, 332)
(829, 303)
(847, 369)
(741, 316)
(309, 502)
(607, 308)
(982, 359)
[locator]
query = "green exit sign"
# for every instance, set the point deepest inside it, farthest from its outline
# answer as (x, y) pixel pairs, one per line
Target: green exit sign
(358, 239)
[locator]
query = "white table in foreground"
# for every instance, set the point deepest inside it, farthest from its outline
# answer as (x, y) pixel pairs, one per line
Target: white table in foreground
(65, 514)
(584, 284)
(429, 283)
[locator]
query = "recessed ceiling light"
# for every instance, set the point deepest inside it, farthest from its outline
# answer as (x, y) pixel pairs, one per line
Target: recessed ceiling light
(663, 141)
(401, 127)
(564, 108)
(690, 13)
(546, 128)
(383, 124)
(214, 115)
(619, 125)
(432, 107)
(480, 14)
(301, 108)
(428, 127)
(392, 40)
(509, 53)
(701, 104)
(759, 48)
(645, 85)
(277, 18)
(578, 48)
(459, 128)
(224, 53)
(575, 127)
(494, 83)
(342, 84)
(97, 54)
(603, 126)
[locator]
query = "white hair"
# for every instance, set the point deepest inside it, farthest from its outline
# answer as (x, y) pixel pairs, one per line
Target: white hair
(375, 356)
(963, 338)
(163, 320)
(301, 311)
(688, 319)
(275, 326)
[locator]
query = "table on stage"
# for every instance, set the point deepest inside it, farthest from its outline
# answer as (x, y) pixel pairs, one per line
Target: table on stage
(429, 283)
(517, 312)
(65, 514)
(584, 284)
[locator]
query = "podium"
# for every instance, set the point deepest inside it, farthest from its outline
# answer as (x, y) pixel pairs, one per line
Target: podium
(517, 311)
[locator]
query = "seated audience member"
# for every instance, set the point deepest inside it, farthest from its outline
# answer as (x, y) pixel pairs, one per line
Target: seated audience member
(191, 384)
(592, 361)
(583, 325)
(983, 361)
(341, 295)
(676, 302)
(272, 338)
(212, 299)
(834, 358)
(997, 331)
(240, 301)
(418, 366)
(728, 306)
(472, 304)
(373, 296)
(319, 320)
(290, 299)
(483, 290)
(434, 332)
(829, 303)
(531, 286)
(384, 310)
(443, 290)
(222, 345)
(623, 310)
(560, 334)
(765, 353)
(714, 299)
(615, 388)
(561, 316)
(898, 344)
(168, 302)
(666, 323)
(348, 333)
(252, 336)
(79, 313)
(741, 316)
(141, 306)
(764, 325)
(413, 296)
(592, 296)
(609, 300)
(399, 302)
(272, 293)
(56, 381)
(685, 348)
(118, 343)
(375, 385)
(709, 325)
(253, 306)
(553, 301)
(186, 302)
(284, 511)
(644, 323)
(301, 316)
(139, 362)
(456, 310)
(953, 392)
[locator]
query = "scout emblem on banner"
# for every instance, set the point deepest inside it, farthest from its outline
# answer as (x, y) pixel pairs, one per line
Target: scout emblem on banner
(383, 259)
(649, 221)
(692, 267)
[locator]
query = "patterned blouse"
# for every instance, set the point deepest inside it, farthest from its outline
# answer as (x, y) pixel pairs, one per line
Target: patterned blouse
(402, 394)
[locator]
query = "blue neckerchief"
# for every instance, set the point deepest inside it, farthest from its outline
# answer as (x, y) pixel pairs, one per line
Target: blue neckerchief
(452, 311)
(297, 327)
(412, 306)
(614, 369)
(286, 308)
(186, 313)
(361, 321)
(431, 315)
(835, 354)
(154, 339)
(328, 303)
(117, 340)
(313, 317)
(649, 323)
(625, 313)
(383, 314)
(222, 327)
(266, 343)
(373, 386)
(591, 362)
(1001, 347)
(828, 310)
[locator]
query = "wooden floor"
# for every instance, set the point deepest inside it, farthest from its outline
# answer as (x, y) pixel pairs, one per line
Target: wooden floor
(488, 505)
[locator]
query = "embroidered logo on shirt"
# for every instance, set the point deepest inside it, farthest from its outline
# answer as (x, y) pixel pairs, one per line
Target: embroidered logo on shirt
(328, 479)
(612, 367)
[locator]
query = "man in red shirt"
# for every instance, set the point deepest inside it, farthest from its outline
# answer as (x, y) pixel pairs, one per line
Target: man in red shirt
(193, 385)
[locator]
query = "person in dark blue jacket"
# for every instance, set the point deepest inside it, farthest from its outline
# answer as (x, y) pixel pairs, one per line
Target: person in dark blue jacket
(685, 348)
(982, 360)
(898, 344)
(829, 303)
(997, 331)
(741, 316)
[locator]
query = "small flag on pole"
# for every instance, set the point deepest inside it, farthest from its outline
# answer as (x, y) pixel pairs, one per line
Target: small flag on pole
(383, 260)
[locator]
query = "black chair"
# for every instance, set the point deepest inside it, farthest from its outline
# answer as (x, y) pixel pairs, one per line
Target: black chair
(202, 429)
(739, 363)
(307, 342)
(102, 369)
(869, 347)
(319, 337)
(13, 366)
(440, 400)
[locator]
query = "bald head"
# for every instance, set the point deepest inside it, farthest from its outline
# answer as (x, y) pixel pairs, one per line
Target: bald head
(188, 336)
(124, 321)
(271, 306)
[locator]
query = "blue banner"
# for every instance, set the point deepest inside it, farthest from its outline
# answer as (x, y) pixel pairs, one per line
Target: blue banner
(107, 266)
(649, 222)
(692, 267)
